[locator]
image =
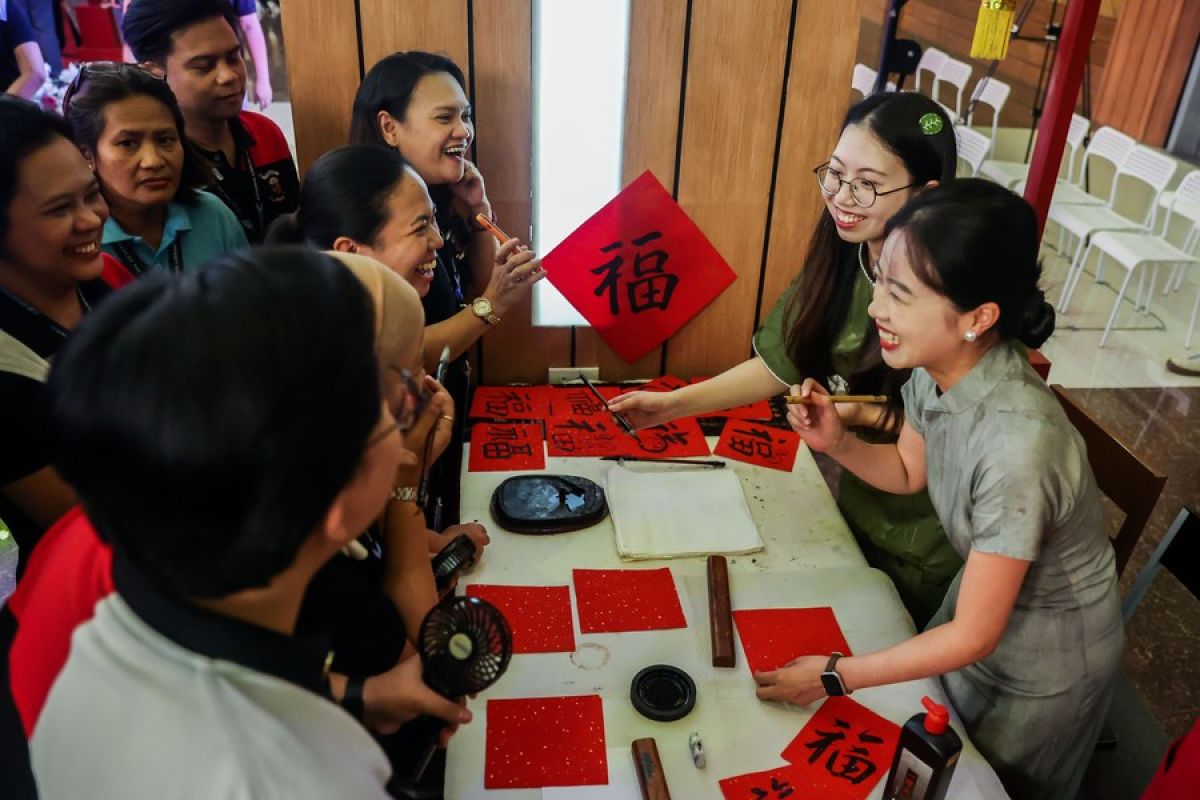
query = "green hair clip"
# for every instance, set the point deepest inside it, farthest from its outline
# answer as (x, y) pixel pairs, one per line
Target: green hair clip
(930, 123)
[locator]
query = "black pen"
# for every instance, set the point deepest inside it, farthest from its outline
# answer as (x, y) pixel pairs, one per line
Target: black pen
(620, 418)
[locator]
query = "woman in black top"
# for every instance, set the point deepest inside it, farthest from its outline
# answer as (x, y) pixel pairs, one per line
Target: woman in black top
(416, 103)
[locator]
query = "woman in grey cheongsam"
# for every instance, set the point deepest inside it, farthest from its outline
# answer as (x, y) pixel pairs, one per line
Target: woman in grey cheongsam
(1028, 639)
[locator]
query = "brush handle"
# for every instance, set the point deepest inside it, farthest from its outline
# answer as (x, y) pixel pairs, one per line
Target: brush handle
(649, 770)
(877, 399)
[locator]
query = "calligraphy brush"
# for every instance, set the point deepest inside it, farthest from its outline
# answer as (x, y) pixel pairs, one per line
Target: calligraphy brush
(877, 399)
(713, 464)
(620, 418)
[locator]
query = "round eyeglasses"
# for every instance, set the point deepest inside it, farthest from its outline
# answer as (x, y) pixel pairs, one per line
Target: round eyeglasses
(862, 191)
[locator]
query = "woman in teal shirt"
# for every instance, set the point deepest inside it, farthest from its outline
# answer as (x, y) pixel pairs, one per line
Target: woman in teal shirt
(127, 123)
(892, 146)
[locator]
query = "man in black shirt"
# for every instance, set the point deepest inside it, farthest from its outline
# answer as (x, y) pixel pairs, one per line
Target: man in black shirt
(195, 42)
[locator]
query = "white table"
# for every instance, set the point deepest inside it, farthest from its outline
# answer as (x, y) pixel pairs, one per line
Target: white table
(810, 560)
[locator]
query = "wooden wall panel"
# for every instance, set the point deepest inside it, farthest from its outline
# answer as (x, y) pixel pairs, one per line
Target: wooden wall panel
(515, 351)
(323, 73)
(811, 126)
(656, 37)
(734, 86)
(1151, 55)
(438, 26)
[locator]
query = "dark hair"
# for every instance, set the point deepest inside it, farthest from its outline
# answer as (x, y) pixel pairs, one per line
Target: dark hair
(825, 287)
(150, 24)
(388, 86)
(345, 193)
(975, 242)
(98, 90)
(24, 129)
(192, 414)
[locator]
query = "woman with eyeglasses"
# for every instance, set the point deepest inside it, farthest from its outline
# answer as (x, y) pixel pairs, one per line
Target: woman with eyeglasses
(127, 123)
(893, 145)
(368, 200)
(1028, 641)
(52, 273)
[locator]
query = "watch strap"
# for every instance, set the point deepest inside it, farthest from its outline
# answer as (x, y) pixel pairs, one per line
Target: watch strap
(404, 494)
(832, 679)
(352, 697)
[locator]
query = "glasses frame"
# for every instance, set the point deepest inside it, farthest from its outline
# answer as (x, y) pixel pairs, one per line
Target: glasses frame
(90, 69)
(876, 194)
(412, 412)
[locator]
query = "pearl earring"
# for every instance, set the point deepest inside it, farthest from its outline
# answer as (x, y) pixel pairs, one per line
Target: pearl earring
(969, 336)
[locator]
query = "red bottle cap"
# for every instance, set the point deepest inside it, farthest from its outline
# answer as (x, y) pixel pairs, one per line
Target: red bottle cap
(937, 719)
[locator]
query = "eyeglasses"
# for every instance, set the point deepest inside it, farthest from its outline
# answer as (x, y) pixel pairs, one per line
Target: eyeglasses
(862, 191)
(412, 411)
(119, 69)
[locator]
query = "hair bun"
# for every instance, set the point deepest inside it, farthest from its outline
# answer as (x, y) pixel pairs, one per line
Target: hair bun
(1038, 320)
(286, 229)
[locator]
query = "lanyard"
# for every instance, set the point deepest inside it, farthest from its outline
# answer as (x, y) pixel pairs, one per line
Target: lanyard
(228, 199)
(59, 330)
(133, 261)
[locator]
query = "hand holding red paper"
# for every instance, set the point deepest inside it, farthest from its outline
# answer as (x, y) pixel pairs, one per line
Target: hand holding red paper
(639, 269)
(817, 423)
(798, 683)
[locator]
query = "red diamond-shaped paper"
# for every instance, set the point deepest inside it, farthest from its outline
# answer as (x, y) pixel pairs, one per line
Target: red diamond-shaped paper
(638, 269)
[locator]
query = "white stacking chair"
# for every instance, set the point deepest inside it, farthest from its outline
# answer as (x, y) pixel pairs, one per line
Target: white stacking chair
(931, 61)
(1082, 222)
(1013, 173)
(1110, 145)
(1184, 208)
(1136, 249)
(993, 94)
(863, 79)
(956, 73)
(973, 147)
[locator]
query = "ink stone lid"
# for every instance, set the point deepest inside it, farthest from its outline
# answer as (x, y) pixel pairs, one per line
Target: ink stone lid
(663, 693)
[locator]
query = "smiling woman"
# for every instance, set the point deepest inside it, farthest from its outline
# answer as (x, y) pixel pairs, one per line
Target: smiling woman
(127, 124)
(51, 273)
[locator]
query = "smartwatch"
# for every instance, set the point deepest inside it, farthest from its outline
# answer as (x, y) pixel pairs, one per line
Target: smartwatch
(831, 680)
(482, 308)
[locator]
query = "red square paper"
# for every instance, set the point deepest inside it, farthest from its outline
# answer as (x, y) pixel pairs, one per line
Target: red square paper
(587, 436)
(638, 269)
(578, 401)
(758, 444)
(614, 600)
(788, 782)
(845, 747)
(499, 446)
(771, 637)
(540, 616)
(511, 402)
(667, 383)
(545, 741)
(676, 439)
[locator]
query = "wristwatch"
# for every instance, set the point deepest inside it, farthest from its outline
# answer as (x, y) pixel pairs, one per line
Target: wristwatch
(482, 308)
(831, 680)
(406, 494)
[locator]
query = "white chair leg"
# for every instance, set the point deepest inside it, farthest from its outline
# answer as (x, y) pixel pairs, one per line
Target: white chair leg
(1150, 292)
(1100, 267)
(1141, 289)
(1192, 323)
(1073, 273)
(1116, 308)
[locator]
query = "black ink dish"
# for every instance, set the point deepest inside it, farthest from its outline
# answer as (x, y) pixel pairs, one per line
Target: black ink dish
(663, 693)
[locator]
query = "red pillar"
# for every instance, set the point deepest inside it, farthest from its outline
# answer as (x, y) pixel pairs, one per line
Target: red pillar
(1074, 41)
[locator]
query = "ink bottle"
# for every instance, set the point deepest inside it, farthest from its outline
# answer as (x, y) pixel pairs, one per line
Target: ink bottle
(926, 756)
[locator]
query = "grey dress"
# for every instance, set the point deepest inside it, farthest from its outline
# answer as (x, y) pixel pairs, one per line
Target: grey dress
(1008, 474)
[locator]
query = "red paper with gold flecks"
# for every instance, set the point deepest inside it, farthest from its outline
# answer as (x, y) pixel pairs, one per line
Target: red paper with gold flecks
(676, 439)
(578, 401)
(540, 616)
(545, 741)
(788, 782)
(771, 637)
(586, 436)
(638, 269)
(758, 444)
(845, 747)
(506, 446)
(511, 402)
(614, 600)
